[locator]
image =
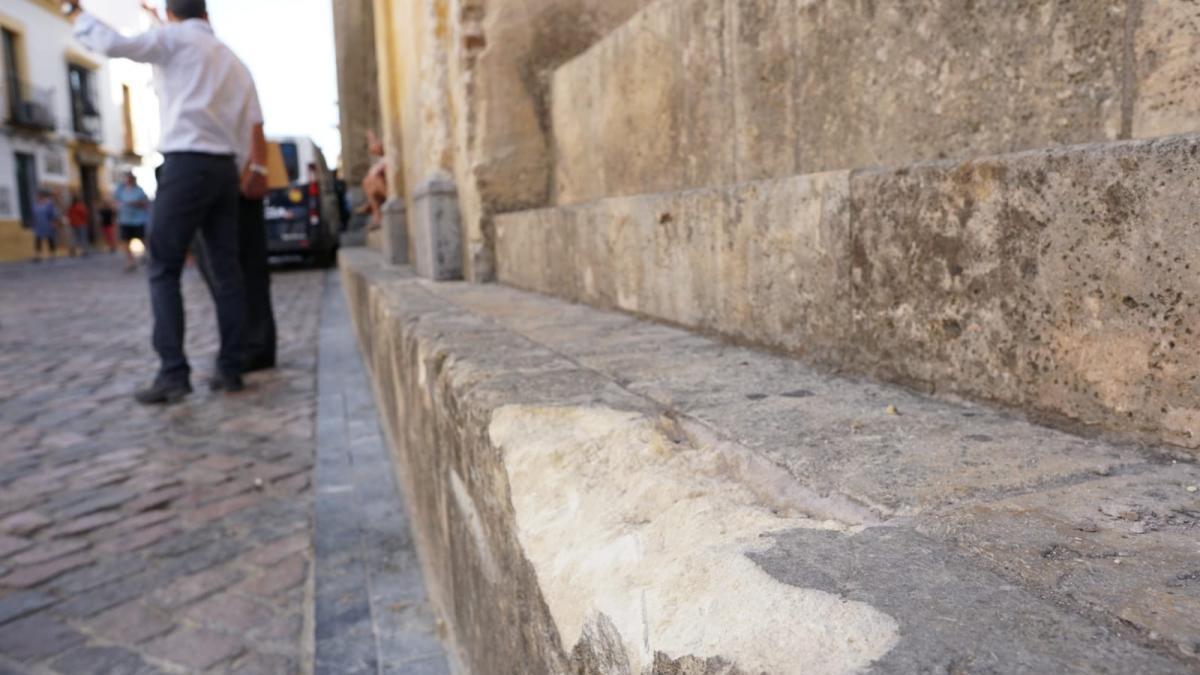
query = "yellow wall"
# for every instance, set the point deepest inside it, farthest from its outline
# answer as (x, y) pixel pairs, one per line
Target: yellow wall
(16, 243)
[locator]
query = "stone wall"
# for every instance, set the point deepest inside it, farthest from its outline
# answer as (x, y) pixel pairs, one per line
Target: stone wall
(1060, 281)
(464, 91)
(695, 93)
(358, 98)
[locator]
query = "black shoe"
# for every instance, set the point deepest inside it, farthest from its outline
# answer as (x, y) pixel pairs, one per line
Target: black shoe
(258, 363)
(163, 393)
(229, 384)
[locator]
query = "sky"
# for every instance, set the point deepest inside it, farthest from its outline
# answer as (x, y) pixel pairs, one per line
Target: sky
(288, 46)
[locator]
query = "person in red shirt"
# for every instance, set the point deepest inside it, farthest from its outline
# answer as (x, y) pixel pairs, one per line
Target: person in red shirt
(78, 217)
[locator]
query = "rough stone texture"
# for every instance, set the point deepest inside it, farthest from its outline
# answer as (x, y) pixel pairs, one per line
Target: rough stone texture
(1126, 544)
(436, 229)
(450, 360)
(1166, 46)
(358, 97)
(394, 224)
(1058, 281)
(462, 89)
(941, 598)
(701, 93)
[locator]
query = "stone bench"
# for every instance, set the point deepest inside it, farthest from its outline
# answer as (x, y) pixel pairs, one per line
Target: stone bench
(596, 493)
(1059, 281)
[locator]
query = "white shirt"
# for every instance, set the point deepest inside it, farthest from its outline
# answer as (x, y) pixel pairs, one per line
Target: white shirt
(207, 97)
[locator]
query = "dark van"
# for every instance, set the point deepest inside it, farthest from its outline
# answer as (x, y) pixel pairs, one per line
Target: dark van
(302, 209)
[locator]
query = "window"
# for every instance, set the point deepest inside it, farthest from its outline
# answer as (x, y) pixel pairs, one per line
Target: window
(12, 77)
(26, 106)
(85, 116)
(291, 160)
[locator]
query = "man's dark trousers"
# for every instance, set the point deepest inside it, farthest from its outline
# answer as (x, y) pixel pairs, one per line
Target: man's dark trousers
(196, 193)
(258, 336)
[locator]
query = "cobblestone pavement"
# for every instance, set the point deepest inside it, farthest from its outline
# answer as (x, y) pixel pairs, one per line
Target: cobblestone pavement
(137, 540)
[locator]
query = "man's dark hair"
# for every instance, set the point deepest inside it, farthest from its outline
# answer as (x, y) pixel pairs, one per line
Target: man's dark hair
(188, 9)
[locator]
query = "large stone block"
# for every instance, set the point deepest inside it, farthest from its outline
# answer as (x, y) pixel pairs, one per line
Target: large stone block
(1057, 281)
(436, 230)
(1166, 48)
(701, 93)
(759, 262)
(1060, 281)
(394, 223)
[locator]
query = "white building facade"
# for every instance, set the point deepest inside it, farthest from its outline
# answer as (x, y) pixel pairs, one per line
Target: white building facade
(72, 122)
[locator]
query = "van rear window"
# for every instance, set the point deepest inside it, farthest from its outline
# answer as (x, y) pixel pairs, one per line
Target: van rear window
(291, 160)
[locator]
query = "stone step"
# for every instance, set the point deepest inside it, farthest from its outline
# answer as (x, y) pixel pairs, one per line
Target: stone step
(596, 493)
(696, 93)
(1062, 282)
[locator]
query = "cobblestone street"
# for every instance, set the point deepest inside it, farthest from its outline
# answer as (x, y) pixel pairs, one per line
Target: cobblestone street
(143, 540)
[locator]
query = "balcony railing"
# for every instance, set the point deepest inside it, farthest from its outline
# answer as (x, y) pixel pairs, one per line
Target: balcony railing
(30, 107)
(86, 115)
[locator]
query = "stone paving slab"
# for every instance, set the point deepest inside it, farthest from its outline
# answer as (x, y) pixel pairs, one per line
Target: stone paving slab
(1127, 545)
(138, 540)
(372, 611)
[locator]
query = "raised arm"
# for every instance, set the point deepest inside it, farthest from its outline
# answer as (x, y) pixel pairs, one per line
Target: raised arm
(148, 47)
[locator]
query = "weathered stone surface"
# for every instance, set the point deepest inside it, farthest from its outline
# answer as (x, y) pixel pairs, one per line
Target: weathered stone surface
(1166, 47)
(463, 89)
(760, 263)
(1125, 545)
(955, 617)
(830, 436)
(568, 483)
(358, 96)
(1059, 281)
(394, 224)
(698, 93)
(1055, 281)
(436, 229)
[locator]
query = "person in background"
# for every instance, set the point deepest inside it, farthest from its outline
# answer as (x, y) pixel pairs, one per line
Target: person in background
(108, 224)
(375, 182)
(45, 225)
(133, 213)
(203, 88)
(78, 218)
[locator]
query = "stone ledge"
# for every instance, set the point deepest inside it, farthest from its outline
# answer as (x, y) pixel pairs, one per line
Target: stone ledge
(1059, 281)
(695, 93)
(593, 493)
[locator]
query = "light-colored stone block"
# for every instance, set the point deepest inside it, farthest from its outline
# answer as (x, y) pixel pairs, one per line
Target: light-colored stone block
(1060, 281)
(704, 93)
(394, 223)
(1167, 49)
(1057, 281)
(437, 229)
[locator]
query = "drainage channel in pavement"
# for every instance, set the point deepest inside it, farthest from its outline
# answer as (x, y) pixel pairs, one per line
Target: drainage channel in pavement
(372, 614)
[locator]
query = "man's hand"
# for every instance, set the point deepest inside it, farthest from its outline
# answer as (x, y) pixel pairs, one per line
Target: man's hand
(254, 184)
(152, 10)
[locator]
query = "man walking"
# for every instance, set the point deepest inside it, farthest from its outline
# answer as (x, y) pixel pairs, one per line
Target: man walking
(206, 92)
